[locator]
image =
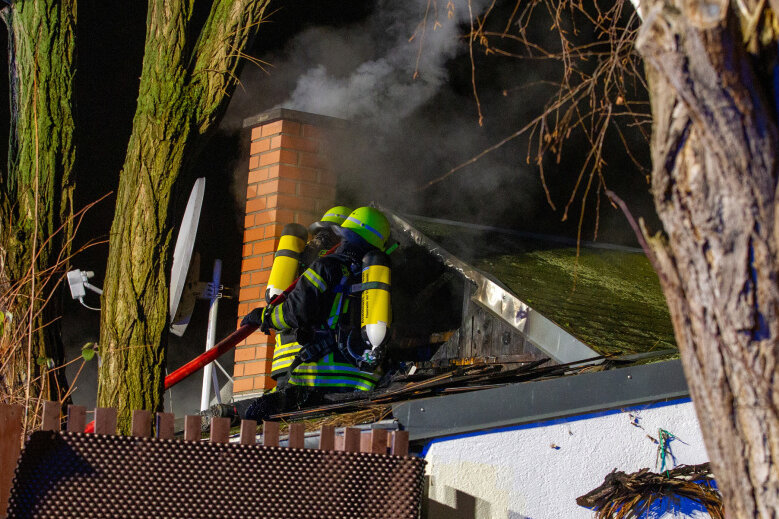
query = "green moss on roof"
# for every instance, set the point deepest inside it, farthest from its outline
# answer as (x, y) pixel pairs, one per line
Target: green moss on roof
(610, 299)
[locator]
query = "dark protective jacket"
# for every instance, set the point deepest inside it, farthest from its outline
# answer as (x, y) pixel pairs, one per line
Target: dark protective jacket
(320, 301)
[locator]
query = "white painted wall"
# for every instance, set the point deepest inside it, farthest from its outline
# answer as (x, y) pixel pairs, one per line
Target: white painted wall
(537, 471)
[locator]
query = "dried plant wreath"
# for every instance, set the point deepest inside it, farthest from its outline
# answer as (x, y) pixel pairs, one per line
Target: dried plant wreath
(627, 496)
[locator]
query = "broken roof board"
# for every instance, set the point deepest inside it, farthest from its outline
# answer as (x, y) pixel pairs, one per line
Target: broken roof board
(607, 296)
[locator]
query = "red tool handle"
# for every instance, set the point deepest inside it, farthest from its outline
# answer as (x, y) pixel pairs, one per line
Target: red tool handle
(229, 342)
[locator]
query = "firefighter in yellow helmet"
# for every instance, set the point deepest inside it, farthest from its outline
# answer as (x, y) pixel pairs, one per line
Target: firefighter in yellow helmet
(324, 313)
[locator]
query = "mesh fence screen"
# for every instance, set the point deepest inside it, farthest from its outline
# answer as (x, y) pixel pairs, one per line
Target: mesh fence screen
(89, 475)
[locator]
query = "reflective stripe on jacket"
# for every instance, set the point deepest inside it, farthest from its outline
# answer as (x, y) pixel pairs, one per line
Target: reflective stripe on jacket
(334, 371)
(283, 354)
(318, 301)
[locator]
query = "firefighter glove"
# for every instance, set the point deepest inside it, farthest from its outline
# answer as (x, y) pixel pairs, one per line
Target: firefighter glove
(259, 317)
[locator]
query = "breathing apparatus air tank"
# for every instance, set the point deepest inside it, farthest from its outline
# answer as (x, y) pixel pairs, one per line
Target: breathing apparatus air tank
(285, 261)
(375, 314)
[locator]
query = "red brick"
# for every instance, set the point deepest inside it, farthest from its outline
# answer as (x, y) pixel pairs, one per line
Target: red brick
(292, 172)
(243, 309)
(256, 304)
(316, 191)
(249, 293)
(264, 217)
(253, 234)
(267, 261)
(245, 279)
(312, 132)
(251, 191)
(258, 175)
(257, 367)
(256, 204)
(281, 127)
(256, 133)
(264, 383)
(294, 143)
(243, 384)
(238, 370)
(260, 277)
(274, 230)
(254, 162)
(243, 354)
(260, 146)
(280, 185)
(249, 264)
(248, 221)
(260, 340)
(247, 250)
(273, 215)
(263, 247)
(295, 203)
(310, 160)
(264, 352)
(279, 156)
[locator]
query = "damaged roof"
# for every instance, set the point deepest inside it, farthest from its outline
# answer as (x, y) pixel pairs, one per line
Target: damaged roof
(607, 296)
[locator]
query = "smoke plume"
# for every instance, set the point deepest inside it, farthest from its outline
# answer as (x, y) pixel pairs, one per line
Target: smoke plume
(399, 76)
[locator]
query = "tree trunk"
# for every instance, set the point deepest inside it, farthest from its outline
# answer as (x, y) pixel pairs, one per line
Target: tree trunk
(714, 183)
(36, 194)
(184, 89)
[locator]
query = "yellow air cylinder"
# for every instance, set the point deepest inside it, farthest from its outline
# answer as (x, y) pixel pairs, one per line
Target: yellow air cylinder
(376, 312)
(286, 259)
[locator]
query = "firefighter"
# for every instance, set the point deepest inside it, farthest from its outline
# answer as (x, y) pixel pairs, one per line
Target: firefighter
(324, 237)
(323, 311)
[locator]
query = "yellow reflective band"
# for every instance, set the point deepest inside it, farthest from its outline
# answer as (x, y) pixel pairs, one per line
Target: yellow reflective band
(315, 279)
(290, 349)
(277, 317)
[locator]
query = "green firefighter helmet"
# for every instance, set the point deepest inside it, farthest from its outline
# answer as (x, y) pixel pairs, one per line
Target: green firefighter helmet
(370, 224)
(333, 216)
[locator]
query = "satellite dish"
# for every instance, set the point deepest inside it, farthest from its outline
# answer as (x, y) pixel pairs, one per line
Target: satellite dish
(193, 289)
(182, 254)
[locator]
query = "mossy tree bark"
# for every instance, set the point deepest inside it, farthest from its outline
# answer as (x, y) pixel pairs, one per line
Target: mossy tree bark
(185, 84)
(36, 203)
(714, 182)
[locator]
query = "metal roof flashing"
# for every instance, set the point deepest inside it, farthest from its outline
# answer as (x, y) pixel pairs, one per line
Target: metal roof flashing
(537, 401)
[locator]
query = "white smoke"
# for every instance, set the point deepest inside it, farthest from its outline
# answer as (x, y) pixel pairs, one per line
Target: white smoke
(401, 75)
(410, 44)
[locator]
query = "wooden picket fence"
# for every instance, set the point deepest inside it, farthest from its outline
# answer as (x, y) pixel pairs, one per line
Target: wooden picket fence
(352, 440)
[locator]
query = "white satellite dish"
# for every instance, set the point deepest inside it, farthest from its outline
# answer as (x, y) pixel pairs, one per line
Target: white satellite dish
(182, 254)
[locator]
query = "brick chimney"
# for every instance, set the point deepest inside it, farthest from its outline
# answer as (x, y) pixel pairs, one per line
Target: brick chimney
(290, 180)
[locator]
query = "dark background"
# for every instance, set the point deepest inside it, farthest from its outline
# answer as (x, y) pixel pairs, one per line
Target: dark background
(399, 154)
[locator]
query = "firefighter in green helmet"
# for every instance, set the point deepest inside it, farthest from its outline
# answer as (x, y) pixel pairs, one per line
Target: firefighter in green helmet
(327, 349)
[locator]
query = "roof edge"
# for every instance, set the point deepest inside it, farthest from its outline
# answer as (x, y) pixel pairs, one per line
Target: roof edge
(536, 401)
